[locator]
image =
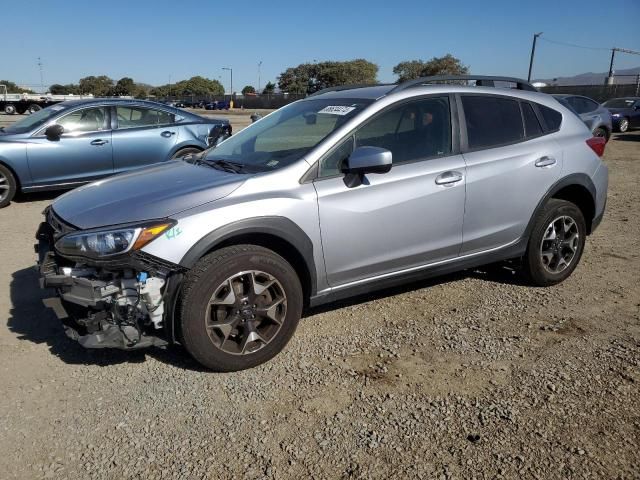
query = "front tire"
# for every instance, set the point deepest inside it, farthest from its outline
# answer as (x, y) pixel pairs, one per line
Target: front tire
(8, 186)
(623, 126)
(556, 243)
(240, 307)
(184, 152)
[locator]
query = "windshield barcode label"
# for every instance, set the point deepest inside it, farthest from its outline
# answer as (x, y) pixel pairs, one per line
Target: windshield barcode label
(337, 109)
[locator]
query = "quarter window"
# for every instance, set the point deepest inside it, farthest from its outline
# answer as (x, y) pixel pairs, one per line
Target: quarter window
(85, 120)
(133, 117)
(491, 121)
(551, 117)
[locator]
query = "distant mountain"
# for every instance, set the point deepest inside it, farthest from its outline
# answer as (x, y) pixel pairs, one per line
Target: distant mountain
(594, 78)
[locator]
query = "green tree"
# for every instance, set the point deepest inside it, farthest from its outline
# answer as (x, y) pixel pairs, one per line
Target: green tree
(124, 87)
(447, 65)
(13, 88)
(248, 89)
(68, 89)
(99, 86)
(197, 86)
(311, 77)
(269, 88)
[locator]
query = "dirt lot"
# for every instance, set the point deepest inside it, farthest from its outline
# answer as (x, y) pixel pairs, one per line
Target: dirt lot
(469, 376)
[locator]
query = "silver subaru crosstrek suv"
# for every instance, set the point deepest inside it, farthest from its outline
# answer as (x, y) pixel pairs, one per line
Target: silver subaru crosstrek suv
(347, 191)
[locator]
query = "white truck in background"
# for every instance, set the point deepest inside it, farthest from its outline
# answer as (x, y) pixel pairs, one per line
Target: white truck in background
(12, 103)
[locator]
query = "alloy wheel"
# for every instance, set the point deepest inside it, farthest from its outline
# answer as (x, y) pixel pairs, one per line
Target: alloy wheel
(624, 125)
(559, 244)
(4, 187)
(246, 312)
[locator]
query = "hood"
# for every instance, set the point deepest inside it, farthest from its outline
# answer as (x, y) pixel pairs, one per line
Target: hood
(154, 192)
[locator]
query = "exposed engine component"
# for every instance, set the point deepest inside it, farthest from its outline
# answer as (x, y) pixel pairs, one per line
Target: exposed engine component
(120, 309)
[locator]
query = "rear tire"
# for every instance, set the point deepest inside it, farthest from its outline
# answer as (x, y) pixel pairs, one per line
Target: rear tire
(33, 108)
(184, 152)
(240, 307)
(556, 243)
(8, 186)
(601, 132)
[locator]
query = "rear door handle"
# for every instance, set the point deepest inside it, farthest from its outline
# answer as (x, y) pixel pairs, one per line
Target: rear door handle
(167, 133)
(448, 178)
(545, 161)
(99, 141)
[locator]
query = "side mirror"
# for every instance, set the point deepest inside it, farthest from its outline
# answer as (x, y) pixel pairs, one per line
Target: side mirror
(369, 160)
(54, 132)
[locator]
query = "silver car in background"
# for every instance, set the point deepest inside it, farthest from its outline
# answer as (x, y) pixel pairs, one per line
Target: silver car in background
(594, 115)
(347, 191)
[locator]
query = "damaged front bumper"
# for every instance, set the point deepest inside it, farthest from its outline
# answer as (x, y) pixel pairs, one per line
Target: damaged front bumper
(113, 304)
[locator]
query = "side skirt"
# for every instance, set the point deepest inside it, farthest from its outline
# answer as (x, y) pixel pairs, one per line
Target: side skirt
(515, 250)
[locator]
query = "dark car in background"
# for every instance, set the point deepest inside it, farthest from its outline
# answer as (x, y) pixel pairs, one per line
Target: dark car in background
(76, 142)
(595, 116)
(217, 105)
(625, 112)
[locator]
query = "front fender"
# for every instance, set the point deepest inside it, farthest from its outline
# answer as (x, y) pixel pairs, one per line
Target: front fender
(14, 157)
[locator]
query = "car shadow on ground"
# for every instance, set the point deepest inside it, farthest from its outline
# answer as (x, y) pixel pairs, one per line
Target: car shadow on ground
(496, 273)
(37, 196)
(627, 138)
(30, 320)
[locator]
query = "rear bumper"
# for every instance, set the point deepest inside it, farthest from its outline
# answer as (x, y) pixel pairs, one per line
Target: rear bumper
(601, 182)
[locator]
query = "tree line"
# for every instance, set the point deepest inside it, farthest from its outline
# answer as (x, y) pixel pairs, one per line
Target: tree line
(306, 78)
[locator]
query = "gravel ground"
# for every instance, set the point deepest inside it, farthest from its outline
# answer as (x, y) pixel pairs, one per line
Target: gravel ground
(472, 375)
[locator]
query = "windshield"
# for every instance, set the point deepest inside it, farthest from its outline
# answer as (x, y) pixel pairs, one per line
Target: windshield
(286, 135)
(619, 103)
(34, 120)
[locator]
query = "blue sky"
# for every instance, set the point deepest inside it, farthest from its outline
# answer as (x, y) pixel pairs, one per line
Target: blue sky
(152, 41)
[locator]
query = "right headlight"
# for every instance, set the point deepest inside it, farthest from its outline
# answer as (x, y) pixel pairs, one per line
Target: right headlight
(107, 243)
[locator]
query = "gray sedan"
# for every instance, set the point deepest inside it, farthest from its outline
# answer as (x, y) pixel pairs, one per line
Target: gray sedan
(76, 142)
(594, 115)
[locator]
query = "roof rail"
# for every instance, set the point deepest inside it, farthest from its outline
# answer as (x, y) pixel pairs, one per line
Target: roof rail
(481, 81)
(348, 87)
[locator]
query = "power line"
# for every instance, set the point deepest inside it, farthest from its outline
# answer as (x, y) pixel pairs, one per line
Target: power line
(567, 44)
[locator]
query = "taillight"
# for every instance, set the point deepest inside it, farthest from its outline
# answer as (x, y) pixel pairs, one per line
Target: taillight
(597, 144)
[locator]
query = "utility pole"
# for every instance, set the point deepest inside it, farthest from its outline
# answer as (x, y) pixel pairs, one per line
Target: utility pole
(231, 86)
(609, 80)
(259, 65)
(533, 52)
(41, 77)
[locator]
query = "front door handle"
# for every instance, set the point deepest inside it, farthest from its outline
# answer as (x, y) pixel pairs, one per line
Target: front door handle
(448, 178)
(99, 142)
(545, 161)
(167, 133)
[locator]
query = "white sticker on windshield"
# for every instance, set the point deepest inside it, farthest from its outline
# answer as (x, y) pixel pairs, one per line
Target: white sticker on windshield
(55, 108)
(337, 109)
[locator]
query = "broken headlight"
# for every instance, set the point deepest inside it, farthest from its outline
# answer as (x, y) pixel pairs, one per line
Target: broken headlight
(107, 243)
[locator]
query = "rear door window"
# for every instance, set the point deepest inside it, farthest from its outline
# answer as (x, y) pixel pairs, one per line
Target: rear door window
(492, 121)
(532, 125)
(134, 117)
